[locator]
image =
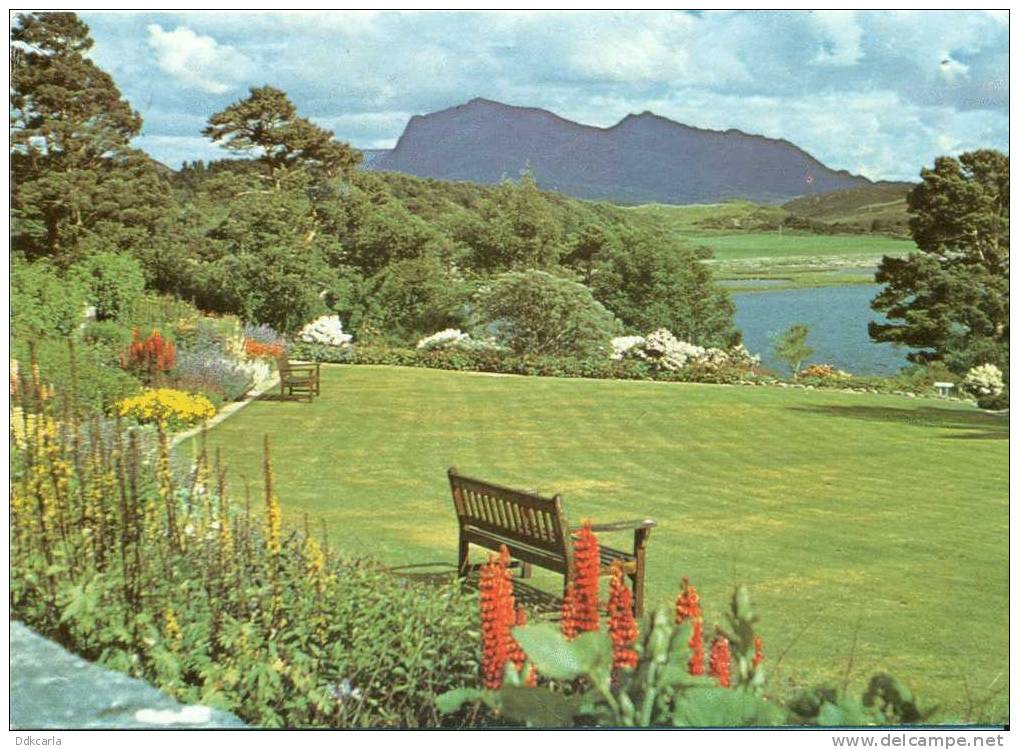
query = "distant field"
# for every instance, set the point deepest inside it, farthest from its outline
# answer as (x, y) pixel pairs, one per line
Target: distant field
(773, 245)
(872, 530)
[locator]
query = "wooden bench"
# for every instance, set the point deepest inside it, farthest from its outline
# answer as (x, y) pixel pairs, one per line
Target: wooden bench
(535, 531)
(298, 379)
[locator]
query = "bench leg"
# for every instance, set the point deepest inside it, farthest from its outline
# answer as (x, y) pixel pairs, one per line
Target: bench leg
(525, 571)
(637, 579)
(462, 565)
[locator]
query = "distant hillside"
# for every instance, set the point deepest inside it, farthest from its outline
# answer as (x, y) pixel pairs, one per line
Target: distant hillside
(876, 207)
(642, 159)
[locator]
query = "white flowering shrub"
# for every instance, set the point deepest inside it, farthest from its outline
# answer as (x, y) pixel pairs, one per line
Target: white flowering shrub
(327, 330)
(665, 351)
(984, 381)
(442, 339)
(621, 345)
(258, 369)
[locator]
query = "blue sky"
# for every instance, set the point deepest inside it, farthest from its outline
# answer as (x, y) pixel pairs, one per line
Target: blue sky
(880, 93)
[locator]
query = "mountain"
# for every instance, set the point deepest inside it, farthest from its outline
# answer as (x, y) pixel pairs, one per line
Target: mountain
(643, 158)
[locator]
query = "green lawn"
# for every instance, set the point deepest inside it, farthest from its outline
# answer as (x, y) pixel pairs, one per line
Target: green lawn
(872, 530)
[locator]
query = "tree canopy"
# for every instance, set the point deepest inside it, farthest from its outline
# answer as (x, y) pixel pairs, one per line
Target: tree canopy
(949, 301)
(267, 126)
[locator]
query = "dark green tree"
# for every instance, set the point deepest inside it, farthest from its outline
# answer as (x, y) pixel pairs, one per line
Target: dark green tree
(650, 283)
(266, 125)
(538, 313)
(266, 262)
(949, 301)
(71, 162)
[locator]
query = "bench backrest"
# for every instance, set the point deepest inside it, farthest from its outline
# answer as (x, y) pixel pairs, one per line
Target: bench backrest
(523, 517)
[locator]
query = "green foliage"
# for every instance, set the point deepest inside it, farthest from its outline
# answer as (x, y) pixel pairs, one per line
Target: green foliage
(95, 383)
(212, 601)
(74, 172)
(269, 263)
(791, 346)
(949, 301)
(267, 124)
(418, 296)
(44, 303)
(651, 283)
(115, 283)
(538, 313)
(661, 692)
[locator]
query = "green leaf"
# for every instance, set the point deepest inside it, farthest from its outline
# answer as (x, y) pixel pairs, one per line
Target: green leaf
(847, 712)
(538, 708)
(453, 700)
(724, 707)
(560, 659)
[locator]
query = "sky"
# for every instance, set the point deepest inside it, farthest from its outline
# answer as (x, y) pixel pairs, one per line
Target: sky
(879, 93)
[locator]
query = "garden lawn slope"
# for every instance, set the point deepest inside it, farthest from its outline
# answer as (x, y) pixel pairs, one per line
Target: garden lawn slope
(872, 530)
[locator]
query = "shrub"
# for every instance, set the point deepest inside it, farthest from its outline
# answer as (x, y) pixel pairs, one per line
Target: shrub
(547, 315)
(447, 337)
(100, 383)
(169, 408)
(262, 334)
(210, 371)
(109, 337)
(326, 330)
(114, 282)
(986, 384)
(822, 372)
(43, 304)
(257, 350)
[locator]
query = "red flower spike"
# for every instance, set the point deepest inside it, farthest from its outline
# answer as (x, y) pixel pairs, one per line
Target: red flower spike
(587, 560)
(499, 615)
(688, 607)
(568, 622)
(720, 660)
(696, 643)
(758, 652)
(622, 627)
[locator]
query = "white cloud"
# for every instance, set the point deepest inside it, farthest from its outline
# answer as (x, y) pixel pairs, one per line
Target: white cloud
(198, 61)
(842, 35)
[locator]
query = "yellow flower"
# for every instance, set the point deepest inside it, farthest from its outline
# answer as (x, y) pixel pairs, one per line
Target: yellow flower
(167, 406)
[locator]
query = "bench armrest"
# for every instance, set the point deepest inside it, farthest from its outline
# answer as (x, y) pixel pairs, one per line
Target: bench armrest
(640, 523)
(309, 367)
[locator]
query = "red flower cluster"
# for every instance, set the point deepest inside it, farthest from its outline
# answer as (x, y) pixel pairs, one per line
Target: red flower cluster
(262, 351)
(720, 660)
(499, 614)
(758, 652)
(688, 607)
(587, 562)
(152, 356)
(622, 626)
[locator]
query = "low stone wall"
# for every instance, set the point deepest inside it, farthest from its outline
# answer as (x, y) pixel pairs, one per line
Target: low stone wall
(53, 689)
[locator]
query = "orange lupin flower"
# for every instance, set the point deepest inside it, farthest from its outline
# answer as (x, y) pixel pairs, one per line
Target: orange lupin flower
(587, 561)
(622, 626)
(758, 652)
(498, 616)
(568, 622)
(687, 603)
(720, 659)
(688, 607)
